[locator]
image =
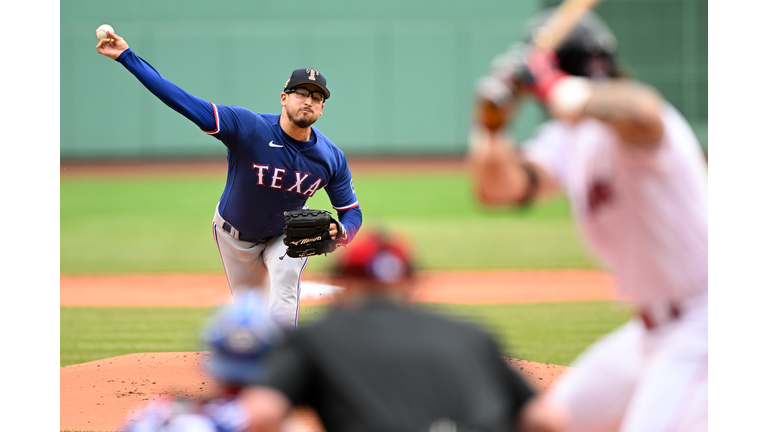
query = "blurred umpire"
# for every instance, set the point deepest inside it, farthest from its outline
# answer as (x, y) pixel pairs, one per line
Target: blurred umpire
(636, 179)
(377, 363)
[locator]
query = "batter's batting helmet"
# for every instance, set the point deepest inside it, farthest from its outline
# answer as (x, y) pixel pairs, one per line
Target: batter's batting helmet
(589, 50)
(238, 337)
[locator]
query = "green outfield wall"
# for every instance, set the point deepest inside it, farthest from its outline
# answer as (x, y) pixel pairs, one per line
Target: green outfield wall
(401, 72)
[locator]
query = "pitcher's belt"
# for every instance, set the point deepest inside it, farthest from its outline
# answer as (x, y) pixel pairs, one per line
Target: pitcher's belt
(236, 234)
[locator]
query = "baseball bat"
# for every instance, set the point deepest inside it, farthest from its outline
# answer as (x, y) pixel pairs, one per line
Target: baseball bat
(555, 30)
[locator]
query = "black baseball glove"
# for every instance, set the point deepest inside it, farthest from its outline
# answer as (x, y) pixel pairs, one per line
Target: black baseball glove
(307, 233)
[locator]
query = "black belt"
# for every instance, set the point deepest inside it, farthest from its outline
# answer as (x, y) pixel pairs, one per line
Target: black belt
(239, 236)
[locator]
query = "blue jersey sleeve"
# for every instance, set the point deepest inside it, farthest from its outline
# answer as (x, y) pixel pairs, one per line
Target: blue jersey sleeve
(199, 111)
(352, 220)
(341, 192)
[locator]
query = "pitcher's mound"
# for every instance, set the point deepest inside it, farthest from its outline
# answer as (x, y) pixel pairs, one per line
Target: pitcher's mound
(101, 395)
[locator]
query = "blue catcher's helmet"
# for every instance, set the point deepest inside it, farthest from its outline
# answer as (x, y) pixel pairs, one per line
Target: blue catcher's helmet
(238, 337)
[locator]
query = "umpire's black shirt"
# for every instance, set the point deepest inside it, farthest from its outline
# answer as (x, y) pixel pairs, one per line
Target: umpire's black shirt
(383, 367)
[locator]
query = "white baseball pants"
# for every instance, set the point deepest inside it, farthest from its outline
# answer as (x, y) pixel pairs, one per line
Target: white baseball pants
(640, 380)
(252, 266)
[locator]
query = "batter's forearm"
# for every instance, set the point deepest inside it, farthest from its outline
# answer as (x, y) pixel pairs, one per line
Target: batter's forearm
(632, 108)
(193, 108)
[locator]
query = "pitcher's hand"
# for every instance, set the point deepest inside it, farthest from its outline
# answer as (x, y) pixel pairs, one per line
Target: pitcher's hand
(112, 45)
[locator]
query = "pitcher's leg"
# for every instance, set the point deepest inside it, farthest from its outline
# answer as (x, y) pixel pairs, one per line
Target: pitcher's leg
(243, 263)
(285, 282)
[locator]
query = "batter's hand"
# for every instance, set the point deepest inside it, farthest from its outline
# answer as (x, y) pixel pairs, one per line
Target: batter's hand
(542, 72)
(112, 45)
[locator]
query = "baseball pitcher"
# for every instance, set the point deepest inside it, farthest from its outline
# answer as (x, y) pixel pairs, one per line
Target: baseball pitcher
(275, 163)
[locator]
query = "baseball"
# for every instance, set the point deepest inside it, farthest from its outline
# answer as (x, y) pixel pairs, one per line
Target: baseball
(101, 32)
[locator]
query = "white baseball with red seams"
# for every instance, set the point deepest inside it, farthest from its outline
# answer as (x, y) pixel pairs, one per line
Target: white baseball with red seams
(101, 32)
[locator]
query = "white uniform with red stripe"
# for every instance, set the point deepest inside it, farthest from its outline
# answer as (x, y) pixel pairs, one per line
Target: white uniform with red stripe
(644, 214)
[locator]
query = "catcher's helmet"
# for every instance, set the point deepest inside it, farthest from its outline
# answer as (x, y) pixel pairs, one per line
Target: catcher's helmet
(238, 337)
(589, 49)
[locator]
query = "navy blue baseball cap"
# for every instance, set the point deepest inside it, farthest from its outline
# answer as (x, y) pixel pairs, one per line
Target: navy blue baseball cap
(307, 76)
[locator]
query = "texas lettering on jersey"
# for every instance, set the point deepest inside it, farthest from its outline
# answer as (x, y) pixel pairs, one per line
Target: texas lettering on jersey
(274, 177)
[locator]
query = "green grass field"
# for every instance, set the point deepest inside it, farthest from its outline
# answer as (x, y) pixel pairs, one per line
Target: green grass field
(545, 332)
(163, 225)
